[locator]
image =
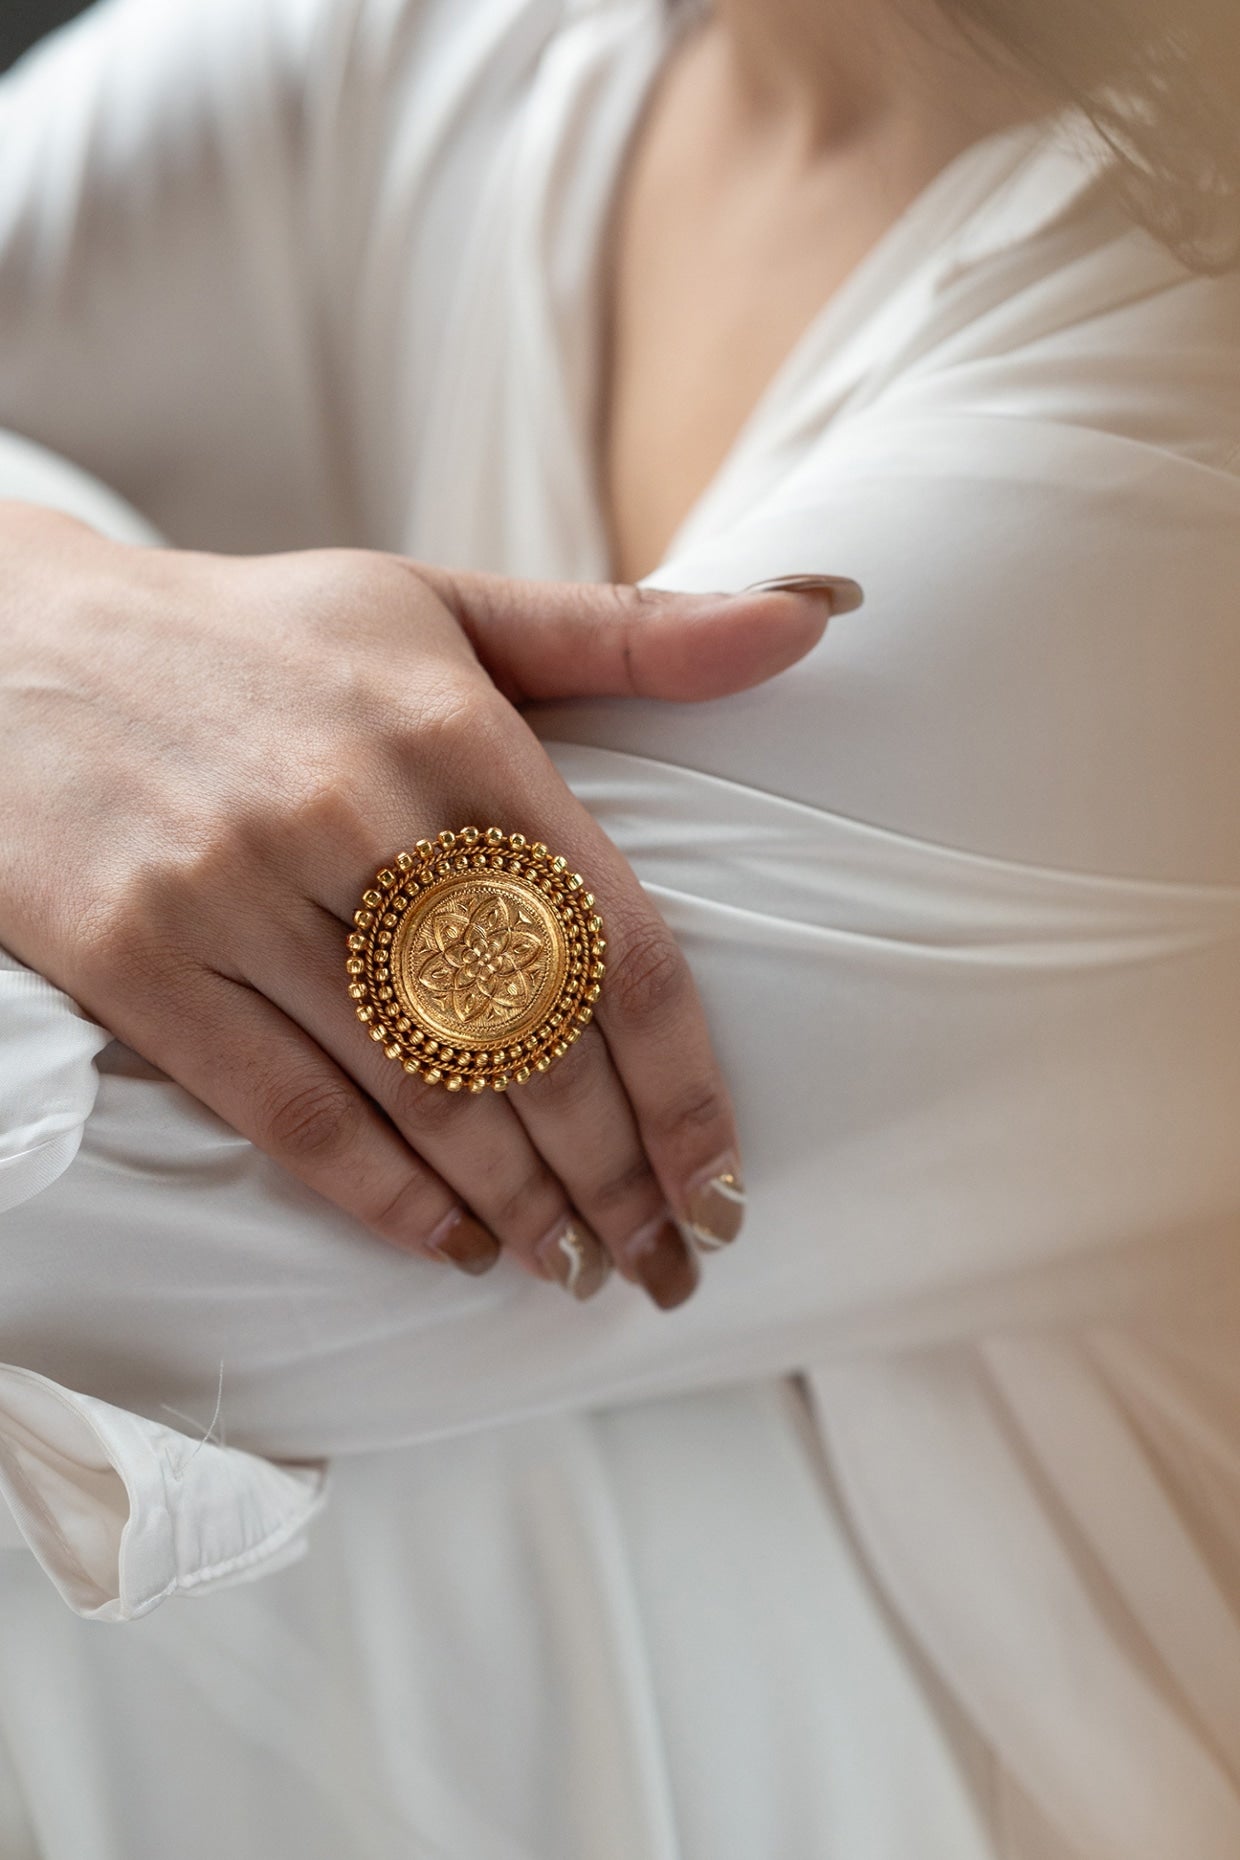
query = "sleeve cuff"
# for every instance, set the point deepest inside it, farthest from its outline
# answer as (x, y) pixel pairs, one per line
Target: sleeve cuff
(123, 1512)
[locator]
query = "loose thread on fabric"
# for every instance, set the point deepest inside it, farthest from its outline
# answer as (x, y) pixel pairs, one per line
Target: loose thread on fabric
(215, 1420)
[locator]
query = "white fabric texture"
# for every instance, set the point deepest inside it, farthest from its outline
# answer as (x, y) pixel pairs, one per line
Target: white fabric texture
(123, 1513)
(962, 892)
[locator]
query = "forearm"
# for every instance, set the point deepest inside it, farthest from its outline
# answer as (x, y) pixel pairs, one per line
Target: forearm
(974, 1090)
(958, 1095)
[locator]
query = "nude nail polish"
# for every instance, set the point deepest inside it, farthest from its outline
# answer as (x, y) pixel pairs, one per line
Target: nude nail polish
(844, 594)
(461, 1242)
(572, 1256)
(715, 1205)
(659, 1259)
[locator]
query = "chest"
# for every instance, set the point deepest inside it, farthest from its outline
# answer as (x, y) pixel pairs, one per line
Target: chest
(721, 251)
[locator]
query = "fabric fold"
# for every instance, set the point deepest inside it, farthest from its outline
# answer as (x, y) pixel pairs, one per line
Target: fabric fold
(123, 1512)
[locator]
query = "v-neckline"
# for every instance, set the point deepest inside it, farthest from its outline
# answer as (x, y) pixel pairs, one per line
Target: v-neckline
(512, 478)
(948, 201)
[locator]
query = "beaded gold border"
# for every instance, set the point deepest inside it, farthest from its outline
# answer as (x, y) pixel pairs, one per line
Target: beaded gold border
(395, 893)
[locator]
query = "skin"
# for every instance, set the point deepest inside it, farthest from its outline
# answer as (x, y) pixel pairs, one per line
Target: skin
(205, 759)
(783, 140)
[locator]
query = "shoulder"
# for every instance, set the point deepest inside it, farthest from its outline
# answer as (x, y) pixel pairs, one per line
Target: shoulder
(1052, 307)
(149, 58)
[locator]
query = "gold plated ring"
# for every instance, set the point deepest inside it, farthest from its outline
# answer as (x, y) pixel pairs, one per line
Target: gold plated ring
(476, 959)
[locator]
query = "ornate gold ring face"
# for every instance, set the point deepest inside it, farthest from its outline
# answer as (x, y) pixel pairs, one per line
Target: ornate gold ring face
(476, 959)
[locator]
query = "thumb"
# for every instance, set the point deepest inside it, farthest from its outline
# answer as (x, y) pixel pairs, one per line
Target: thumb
(553, 639)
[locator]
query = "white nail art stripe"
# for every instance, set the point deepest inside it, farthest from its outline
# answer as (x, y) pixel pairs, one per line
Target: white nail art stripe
(704, 1241)
(727, 1186)
(570, 1245)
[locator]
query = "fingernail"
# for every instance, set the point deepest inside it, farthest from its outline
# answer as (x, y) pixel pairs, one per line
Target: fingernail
(715, 1205)
(658, 1257)
(844, 594)
(461, 1242)
(572, 1256)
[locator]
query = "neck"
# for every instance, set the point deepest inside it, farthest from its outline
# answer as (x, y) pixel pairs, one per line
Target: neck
(841, 71)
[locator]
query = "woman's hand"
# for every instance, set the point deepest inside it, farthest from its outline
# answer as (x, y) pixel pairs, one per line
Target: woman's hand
(204, 760)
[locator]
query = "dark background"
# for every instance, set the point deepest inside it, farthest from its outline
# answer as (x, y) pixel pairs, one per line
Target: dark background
(22, 21)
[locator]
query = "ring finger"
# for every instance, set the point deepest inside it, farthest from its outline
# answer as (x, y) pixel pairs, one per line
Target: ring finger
(475, 1144)
(580, 1119)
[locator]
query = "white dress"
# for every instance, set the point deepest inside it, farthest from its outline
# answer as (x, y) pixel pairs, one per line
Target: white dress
(916, 1534)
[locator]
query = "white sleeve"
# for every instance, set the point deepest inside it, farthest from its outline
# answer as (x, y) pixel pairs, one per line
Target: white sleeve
(965, 908)
(47, 1087)
(169, 233)
(962, 892)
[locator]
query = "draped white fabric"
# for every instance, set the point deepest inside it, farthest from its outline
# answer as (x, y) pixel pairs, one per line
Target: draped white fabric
(962, 892)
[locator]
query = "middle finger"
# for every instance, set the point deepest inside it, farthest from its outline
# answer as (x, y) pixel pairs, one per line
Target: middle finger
(580, 1119)
(476, 1143)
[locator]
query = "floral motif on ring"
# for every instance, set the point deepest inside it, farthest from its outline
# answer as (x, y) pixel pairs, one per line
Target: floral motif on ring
(481, 959)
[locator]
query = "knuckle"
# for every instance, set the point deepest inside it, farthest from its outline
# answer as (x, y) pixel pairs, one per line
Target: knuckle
(426, 1109)
(701, 1107)
(520, 1208)
(107, 953)
(625, 604)
(462, 717)
(633, 1181)
(229, 852)
(315, 1122)
(619, 613)
(412, 1209)
(125, 944)
(564, 1085)
(332, 583)
(328, 811)
(442, 735)
(649, 977)
(619, 604)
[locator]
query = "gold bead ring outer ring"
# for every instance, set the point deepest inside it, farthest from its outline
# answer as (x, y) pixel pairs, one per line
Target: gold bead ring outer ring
(476, 959)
